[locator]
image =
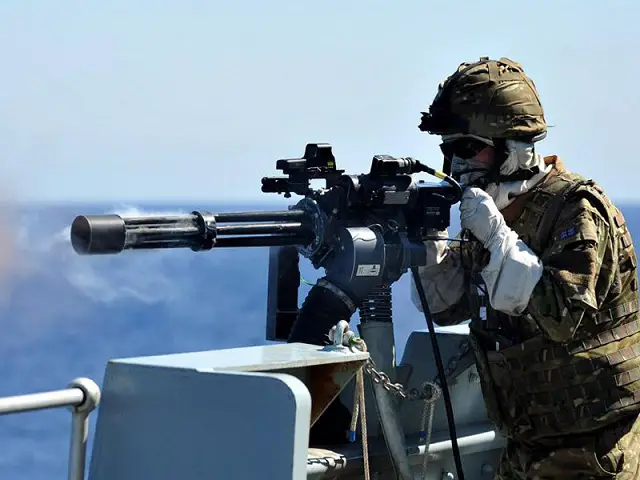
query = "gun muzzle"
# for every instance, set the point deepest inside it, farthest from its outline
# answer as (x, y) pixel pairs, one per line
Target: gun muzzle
(108, 234)
(93, 234)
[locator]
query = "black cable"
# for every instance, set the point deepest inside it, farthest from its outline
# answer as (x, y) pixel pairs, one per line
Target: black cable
(320, 311)
(441, 373)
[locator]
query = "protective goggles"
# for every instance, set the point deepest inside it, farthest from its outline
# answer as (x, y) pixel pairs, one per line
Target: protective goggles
(463, 148)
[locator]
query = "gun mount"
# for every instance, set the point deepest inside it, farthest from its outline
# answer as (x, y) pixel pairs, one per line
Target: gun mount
(364, 230)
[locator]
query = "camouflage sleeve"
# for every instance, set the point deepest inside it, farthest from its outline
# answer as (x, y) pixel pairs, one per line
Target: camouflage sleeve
(443, 280)
(454, 314)
(573, 262)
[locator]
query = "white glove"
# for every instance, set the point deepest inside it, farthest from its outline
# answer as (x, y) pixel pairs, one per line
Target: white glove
(480, 215)
(513, 270)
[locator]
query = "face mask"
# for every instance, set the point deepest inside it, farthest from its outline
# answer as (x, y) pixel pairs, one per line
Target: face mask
(467, 171)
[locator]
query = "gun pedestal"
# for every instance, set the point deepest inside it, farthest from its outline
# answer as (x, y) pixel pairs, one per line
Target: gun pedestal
(164, 416)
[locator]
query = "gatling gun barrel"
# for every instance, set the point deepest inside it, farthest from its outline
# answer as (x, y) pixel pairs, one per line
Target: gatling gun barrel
(109, 234)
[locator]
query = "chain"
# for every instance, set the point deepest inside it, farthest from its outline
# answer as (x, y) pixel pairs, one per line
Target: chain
(382, 378)
(398, 389)
(463, 349)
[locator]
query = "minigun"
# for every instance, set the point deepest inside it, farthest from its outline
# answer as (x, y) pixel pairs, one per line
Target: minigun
(365, 230)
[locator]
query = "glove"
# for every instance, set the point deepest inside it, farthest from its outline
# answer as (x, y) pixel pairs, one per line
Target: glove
(513, 269)
(480, 215)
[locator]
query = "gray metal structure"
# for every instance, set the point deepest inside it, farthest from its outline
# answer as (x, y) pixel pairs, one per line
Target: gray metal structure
(245, 413)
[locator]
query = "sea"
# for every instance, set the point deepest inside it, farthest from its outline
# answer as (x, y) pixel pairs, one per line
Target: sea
(64, 316)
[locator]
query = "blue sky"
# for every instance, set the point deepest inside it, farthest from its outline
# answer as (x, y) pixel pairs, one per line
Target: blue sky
(164, 101)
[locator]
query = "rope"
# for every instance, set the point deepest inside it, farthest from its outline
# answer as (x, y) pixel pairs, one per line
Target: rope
(363, 423)
(342, 335)
(425, 434)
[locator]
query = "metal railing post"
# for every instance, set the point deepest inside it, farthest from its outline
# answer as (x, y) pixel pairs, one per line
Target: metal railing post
(80, 426)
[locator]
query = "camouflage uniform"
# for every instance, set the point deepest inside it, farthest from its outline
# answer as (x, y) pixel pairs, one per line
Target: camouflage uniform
(562, 380)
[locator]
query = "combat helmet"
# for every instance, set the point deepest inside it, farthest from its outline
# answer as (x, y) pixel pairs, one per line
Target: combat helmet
(492, 99)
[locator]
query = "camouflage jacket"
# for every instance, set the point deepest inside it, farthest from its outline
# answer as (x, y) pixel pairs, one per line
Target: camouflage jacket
(571, 362)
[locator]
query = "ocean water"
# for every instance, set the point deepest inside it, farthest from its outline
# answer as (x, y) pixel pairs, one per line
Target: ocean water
(64, 316)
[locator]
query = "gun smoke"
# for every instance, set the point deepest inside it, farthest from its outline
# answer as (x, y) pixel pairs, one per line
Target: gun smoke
(45, 285)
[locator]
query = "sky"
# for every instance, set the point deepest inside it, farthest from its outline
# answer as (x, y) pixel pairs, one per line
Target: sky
(194, 101)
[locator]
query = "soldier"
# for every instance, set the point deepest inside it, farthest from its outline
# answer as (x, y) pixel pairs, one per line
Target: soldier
(547, 280)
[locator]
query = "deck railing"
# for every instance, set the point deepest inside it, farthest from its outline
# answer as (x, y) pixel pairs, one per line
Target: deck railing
(82, 395)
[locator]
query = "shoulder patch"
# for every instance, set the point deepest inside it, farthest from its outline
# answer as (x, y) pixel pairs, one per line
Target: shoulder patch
(568, 232)
(582, 227)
